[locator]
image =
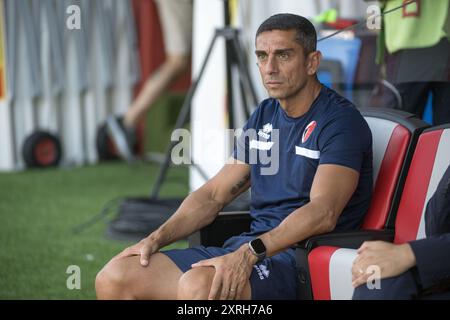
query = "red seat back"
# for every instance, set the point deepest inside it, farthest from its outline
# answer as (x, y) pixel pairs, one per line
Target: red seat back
(431, 159)
(392, 135)
(394, 138)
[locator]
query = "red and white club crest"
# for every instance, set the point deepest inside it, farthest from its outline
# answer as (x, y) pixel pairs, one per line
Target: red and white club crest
(308, 130)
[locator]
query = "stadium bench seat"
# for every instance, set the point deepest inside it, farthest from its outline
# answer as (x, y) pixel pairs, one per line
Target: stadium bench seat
(330, 266)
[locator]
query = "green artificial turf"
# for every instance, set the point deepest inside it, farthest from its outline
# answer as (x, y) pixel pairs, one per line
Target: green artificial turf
(39, 208)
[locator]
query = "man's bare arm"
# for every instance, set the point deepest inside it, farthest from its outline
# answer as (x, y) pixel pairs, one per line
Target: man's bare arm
(202, 206)
(331, 190)
(199, 209)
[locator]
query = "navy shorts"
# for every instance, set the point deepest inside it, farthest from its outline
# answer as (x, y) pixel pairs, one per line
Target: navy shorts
(273, 278)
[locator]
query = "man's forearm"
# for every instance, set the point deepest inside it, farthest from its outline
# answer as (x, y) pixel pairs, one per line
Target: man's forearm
(309, 220)
(196, 211)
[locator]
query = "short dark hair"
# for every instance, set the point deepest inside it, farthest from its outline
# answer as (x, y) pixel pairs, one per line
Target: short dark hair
(306, 33)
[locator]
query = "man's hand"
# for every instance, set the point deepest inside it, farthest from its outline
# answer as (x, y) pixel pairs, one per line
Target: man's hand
(233, 270)
(143, 248)
(392, 260)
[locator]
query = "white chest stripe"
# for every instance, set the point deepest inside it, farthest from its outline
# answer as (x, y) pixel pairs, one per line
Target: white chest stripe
(261, 145)
(313, 154)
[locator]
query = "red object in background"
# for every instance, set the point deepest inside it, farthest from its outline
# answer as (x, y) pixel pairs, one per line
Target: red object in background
(45, 152)
(341, 23)
(151, 53)
(410, 9)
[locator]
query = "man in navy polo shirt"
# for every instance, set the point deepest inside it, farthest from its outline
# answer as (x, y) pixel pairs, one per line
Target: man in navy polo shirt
(306, 152)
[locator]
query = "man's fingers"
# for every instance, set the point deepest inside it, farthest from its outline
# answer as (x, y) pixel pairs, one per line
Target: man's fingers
(360, 276)
(359, 269)
(202, 263)
(362, 248)
(225, 293)
(358, 281)
(357, 273)
(217, 282)
(354, 274)
(357, 264)
(356, 261)
(232, 292)
(238, 290)
(366, 245)
(145, 255)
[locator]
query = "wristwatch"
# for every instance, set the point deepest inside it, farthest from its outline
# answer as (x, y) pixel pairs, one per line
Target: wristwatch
(258, 248)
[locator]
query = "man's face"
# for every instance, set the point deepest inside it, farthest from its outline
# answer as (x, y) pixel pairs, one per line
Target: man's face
(282, 63)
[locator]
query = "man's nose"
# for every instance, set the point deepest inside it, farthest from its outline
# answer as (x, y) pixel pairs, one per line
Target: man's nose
(271, 65)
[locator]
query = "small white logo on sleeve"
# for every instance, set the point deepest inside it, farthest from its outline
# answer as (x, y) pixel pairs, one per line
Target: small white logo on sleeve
(266, 130)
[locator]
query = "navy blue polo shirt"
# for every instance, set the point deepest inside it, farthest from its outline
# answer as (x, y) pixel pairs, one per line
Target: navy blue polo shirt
(284, 154)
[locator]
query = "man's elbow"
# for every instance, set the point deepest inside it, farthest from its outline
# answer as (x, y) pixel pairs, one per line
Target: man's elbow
(329, 221)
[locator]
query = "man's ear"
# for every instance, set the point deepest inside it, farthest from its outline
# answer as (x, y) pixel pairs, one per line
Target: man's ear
(313, 62)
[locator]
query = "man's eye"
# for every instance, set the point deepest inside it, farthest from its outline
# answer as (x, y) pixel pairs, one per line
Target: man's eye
(283, 56)
(262, 57)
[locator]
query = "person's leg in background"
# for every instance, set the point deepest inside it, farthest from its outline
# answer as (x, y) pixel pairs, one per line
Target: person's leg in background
(414, 96)
(176, 23)
(408, 96)
(173, 66)
(402, 287)
(441, 102)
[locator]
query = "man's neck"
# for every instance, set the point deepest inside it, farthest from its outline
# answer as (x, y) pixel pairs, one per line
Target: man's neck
(299, 104)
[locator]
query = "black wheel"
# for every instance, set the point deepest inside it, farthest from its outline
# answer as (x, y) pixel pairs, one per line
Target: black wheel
(105, 147)
(42, 149)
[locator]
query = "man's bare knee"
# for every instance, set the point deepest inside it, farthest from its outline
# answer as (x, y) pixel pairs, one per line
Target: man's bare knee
(125, 278)
(111, 281)
(195, 284)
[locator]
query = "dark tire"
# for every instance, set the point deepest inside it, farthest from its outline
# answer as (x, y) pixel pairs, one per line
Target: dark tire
(42, 149)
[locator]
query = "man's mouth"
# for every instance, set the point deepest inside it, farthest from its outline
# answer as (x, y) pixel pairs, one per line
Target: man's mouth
(273, 83)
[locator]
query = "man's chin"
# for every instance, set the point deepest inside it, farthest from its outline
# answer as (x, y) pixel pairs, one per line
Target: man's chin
(275, 95)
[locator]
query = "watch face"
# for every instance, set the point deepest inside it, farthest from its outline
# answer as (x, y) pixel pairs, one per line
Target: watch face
(258, 246)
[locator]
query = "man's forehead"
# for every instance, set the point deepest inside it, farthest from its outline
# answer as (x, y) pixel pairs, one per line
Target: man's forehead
(276, 39)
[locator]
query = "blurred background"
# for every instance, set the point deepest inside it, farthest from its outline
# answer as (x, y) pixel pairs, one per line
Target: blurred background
(67, 65)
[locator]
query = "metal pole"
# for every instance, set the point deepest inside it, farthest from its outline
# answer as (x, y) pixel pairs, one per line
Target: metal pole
(234, 53)
(181, 120)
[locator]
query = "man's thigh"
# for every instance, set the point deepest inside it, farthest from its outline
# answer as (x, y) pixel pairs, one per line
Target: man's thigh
(204, 276)
(273, 278)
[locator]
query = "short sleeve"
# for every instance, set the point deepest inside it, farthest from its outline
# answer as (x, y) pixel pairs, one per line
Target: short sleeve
(345, 140)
